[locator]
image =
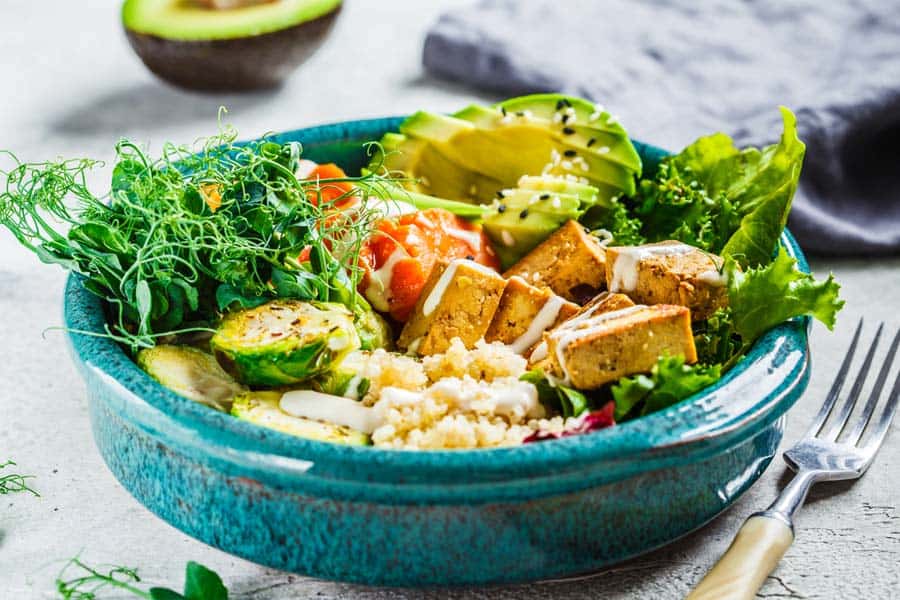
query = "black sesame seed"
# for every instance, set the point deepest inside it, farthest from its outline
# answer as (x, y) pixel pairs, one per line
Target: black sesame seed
(570, 153)
(566, 102)
(591, 142)
(523, 214)
(503, 111)
(500, 194)
(560, 104)
(501, 208)
(469, 257)
(545, 196)
(568, 131)
(565, 118)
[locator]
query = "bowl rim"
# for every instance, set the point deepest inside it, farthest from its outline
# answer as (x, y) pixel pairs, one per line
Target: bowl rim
(742, 402)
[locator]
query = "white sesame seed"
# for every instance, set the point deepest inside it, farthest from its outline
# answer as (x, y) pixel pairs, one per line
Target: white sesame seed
(557, 118)
(507, 238)
(534, 199)
(556, 202)
(595, 115)
(603, 149)
(566, 164)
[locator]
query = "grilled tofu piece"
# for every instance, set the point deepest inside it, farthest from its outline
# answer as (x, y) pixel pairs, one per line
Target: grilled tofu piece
(593, 349)
(601, 303)
(525, 313)
(458, 300)
(668, 273)
(570, 262)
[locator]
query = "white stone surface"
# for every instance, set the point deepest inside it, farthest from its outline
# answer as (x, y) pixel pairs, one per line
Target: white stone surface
(70, 86)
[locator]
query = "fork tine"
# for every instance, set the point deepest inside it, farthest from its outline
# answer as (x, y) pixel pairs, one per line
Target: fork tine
(860, 426)
(835, 387)
(834, 430)
(884, 423)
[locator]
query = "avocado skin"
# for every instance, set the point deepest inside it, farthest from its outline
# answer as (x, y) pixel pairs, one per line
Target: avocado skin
(238, 64)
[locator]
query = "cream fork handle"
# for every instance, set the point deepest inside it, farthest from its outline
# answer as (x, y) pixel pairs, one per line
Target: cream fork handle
(754, 553)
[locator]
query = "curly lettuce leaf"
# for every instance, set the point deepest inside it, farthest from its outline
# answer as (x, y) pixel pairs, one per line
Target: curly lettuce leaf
(670, 381)
(763, 297)
(566, 401)
(722, 199)
(715, 338)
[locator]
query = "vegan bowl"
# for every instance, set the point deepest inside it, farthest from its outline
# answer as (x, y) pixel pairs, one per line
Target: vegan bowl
(658, 439)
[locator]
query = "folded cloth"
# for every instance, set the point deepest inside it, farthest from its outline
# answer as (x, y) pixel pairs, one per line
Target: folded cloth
(673, 71)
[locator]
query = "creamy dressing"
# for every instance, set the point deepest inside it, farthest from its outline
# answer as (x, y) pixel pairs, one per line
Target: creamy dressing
(582, 326)
(309, 404)
(513, 399)
(542, 321)
(352, 390)
(625, 268)
(380, 281)
(713, 278)
(471, 238)
(539, 353)
(437, 292)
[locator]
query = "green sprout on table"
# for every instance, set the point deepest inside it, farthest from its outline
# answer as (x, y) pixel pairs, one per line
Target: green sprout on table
(79, 581)
(11, 483)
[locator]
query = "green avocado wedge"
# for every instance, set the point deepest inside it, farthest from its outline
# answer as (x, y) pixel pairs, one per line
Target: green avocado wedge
(471, 155)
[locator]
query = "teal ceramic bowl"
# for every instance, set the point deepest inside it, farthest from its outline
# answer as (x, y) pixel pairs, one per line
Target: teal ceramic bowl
(389, 517)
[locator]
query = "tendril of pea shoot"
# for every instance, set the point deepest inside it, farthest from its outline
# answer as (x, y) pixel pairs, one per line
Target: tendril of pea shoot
(182, 237)
(11, 483)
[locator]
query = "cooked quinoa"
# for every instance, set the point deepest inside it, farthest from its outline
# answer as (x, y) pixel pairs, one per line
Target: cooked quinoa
(459, 399)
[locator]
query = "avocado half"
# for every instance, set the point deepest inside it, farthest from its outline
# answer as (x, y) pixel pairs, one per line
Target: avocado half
(249, 45)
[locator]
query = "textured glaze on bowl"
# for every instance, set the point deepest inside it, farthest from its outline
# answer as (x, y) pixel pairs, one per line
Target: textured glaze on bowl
(391, 517)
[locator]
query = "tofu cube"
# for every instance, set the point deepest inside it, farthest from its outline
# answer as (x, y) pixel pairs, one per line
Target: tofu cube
(605, 302)
(525, 313)
(668, 273)
(591, 350)
(458, 300)
(570, 262)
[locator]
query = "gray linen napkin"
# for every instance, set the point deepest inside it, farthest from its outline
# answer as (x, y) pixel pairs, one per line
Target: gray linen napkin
(674, 70)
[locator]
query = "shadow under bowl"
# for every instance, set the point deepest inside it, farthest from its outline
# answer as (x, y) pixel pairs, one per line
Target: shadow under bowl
(391, 517)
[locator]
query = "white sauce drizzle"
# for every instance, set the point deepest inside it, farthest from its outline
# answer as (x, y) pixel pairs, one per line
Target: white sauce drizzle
(539, 353)
(437, 292)
(542, 321)
(309, 404)
(380, 281)
(581, 326)
(713, 278)
(471, 238)
(625, 268)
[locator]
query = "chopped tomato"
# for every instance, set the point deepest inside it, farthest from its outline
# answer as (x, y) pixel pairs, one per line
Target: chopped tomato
(399, 256)
(337, 192)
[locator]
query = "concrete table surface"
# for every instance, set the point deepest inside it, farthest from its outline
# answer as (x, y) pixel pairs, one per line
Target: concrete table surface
(70, 86)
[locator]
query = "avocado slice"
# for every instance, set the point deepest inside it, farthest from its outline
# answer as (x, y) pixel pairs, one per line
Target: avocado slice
(191, 373)
(523, 217)
(262, 408)
(249, 45)
(463, 156)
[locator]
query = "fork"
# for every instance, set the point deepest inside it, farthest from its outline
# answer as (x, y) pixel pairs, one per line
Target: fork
(819, 456)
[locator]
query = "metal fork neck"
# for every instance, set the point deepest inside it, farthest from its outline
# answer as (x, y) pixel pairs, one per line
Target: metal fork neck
(791, 498)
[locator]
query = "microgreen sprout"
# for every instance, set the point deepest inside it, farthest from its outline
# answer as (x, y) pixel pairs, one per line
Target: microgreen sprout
(11, 483)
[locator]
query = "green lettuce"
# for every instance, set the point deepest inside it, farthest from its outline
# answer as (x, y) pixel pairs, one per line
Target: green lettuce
(761, 298)
(725, 200)
(669, 382)
(566, 401)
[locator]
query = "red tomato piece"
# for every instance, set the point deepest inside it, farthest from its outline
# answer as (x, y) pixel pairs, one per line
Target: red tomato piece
(401, 253)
